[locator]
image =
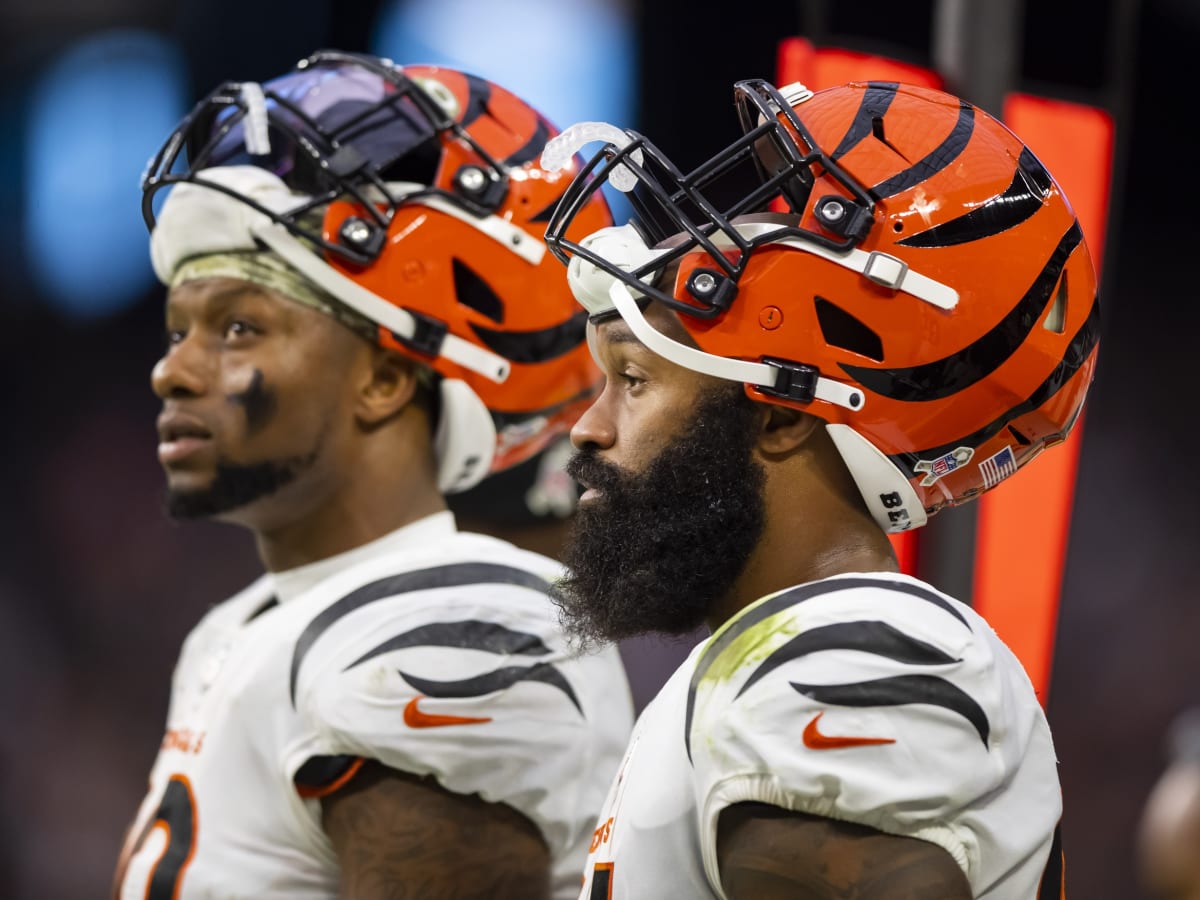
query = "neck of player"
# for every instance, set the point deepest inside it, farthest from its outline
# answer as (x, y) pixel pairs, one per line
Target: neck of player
(816, 526)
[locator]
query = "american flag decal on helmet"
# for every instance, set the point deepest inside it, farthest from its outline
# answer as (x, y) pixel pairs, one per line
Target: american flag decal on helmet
(997, 467)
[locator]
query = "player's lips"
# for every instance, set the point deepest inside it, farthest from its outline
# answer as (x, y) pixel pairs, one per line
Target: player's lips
(180, 436)
(590, 493)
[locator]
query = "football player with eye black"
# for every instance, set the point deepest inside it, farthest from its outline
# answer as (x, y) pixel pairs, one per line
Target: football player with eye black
(362, 318)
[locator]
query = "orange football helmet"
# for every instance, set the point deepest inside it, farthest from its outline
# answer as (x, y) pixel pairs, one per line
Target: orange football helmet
(899, 265)
(419, 189)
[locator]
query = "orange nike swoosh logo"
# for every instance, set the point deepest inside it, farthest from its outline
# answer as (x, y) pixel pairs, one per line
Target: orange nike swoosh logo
(415, 717)
(814, 740)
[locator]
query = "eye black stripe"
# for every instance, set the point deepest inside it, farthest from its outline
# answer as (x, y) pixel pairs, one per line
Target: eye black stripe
(535, 346)
(784, 600)
(878, 638)
(951, 374)
(469, 635)
(902, 690)
(455, 575)
(1078, 352)
(875, 102)
(1022, 199)
(494, 681)
(941, 157)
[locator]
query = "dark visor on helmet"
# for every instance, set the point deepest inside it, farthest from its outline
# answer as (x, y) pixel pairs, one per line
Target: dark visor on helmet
(339, 126)
(318, 109)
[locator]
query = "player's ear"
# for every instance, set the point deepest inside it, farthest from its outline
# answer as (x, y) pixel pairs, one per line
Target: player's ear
(783, 429)
(388, 385)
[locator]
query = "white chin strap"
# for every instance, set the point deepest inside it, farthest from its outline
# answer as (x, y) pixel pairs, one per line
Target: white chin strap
(742, 370)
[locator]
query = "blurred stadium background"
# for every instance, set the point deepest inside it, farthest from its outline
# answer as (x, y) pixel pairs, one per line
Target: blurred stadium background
(97, 590)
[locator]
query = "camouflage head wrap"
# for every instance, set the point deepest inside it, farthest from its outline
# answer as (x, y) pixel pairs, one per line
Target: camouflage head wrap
(265, 268)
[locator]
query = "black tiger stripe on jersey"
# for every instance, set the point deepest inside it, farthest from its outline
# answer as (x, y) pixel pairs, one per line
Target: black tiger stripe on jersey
(958, 371)
(490, 682)
(781, 602)
(268, 604)
(469, 634)
(454, 575)
(878, 638)
(902, 690)
(472, 634)
(1030, 187)
(1078, 352)
(875, 102)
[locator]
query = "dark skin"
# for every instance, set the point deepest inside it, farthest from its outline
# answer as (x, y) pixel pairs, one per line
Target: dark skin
(452, 846)
(1168, 846)
(251, 376)
(766, 852)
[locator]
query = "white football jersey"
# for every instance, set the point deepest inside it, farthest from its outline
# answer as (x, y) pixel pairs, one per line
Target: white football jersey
(866, 698)
(433, 651)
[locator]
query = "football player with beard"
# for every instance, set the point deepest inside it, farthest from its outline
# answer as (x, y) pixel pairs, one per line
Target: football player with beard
(895, 311)
(361, 318)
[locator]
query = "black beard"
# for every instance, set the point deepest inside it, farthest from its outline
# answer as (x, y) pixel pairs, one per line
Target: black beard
(235, 486)
(655, 551)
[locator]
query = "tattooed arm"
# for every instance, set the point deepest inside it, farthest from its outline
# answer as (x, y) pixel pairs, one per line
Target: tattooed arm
(765, 853)
(398, 836)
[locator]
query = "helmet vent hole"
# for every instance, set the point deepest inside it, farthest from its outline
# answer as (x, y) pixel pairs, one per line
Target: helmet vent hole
(471, 290)
(877, 131)
(897, 227)
(1056, 318)
(1018, 437)
(841, 329)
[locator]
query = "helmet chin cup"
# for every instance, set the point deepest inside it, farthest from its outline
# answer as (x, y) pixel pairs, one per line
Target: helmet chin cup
(465, 441)
(889, 495)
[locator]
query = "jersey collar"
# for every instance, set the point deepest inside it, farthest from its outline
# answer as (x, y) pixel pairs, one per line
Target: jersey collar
(291, 583)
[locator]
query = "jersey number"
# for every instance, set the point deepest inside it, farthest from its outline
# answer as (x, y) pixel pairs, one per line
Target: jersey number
(177, 815)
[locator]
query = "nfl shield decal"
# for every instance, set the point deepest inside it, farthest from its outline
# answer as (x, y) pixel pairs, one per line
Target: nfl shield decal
(943, 465)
